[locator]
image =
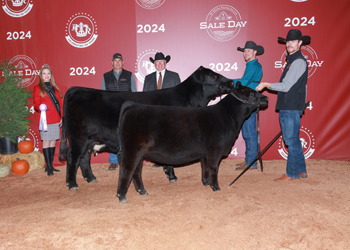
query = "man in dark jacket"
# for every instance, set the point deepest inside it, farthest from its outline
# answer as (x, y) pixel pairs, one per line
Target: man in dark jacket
(291, 102)
(161, 78)
(118, 79)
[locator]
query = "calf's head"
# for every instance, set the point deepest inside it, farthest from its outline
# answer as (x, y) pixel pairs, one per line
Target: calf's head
(249, 96)
(213, 83)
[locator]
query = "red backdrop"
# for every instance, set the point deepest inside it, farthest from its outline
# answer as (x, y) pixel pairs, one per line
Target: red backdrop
(78, 38)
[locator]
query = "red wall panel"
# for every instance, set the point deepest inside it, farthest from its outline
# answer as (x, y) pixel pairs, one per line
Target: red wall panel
(35, 33)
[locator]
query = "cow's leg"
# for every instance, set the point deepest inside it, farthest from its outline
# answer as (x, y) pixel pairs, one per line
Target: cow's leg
(126, 171)
(213, 169)
(85, 167)
(72, 166)
(205, 172)
(169, 171)
(137, 179)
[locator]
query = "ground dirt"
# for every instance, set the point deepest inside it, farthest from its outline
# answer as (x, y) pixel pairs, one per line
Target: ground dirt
(38, 212)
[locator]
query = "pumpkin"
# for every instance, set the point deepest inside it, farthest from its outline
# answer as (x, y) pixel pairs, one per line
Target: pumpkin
(5, 169)
(25, 147)
(20, 167)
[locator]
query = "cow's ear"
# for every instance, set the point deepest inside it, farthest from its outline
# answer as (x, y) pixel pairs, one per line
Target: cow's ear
(201, 67)
(238, 84)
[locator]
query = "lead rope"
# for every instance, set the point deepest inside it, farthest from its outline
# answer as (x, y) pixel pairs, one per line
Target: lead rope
(258, 132)
(264, 150)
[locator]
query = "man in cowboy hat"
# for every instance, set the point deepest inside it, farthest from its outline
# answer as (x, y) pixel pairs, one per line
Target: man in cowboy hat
(161, 79)
(118, 79)
(251, 78)
(291, 102)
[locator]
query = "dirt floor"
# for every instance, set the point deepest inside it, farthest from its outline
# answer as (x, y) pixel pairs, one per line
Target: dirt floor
(38, 211)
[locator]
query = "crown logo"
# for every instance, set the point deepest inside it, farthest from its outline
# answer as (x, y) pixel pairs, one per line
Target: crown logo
(17, 3)
(148, 66)
(21, 65)
(223, 16)
(81, 29)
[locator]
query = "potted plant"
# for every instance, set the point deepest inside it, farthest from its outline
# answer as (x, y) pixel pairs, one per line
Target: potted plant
(13, 111)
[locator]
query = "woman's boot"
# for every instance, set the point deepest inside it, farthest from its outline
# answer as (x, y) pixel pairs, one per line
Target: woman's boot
(52, 154)
(49, 168)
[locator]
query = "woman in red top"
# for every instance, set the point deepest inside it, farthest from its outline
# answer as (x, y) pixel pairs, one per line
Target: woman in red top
(48, 93)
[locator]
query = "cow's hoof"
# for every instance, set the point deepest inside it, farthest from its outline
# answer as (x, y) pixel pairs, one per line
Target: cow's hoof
(173, 179)
(92, 180)
(142, 192)
(74, 189)
(215, 189)
(122, 199)
(206, 183)
(169, 171)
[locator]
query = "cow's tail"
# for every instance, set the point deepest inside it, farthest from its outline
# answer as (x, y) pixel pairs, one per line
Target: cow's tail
(62, 156)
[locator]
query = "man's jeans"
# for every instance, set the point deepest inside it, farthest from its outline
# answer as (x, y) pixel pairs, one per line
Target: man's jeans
(250, 137)
(290, 125)
(113, 158)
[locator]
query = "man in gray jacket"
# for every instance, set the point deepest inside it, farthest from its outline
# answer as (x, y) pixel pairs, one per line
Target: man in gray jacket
(291, 102)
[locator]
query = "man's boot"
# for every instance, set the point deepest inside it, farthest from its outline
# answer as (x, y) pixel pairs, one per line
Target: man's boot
(52, 154)
(47, 156)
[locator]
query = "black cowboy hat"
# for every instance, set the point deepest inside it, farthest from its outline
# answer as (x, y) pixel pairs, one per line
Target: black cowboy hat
(252, 45)
(295, 35)
(160, 56)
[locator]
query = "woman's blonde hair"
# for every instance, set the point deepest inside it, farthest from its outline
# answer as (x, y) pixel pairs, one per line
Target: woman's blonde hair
(42, 82)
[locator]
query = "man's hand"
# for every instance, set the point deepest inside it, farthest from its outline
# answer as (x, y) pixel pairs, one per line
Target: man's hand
(262, 85)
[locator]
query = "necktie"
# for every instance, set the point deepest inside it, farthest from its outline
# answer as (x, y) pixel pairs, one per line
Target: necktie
(160, 80)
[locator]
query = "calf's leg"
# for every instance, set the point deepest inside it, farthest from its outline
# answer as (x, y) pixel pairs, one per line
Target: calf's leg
(126, 172)
(72, 166)
(137, 179)
(86, 167)
(213, 168)
(205, 173)
(169, 171)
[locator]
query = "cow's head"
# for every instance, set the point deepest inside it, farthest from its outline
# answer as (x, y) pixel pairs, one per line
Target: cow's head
(249, 96)
(212, 84)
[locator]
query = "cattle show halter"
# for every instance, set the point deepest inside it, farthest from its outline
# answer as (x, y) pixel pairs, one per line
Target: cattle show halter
(264, 150)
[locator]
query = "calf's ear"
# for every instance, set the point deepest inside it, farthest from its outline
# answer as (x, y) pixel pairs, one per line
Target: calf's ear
(238, 84)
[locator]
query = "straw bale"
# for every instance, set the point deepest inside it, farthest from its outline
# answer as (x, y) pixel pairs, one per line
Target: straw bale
(35, 159)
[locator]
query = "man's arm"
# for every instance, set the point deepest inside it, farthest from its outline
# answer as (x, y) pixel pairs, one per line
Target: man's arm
(177, 79)
(133, 84)
(297, 69)
(103, 84)
(249, 74)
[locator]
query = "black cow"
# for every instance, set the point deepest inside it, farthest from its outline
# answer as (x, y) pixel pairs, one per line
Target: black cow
(91, 116)
(177, 135)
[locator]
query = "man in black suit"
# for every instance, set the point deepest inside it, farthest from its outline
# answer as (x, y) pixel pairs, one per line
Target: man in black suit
(162, 79)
